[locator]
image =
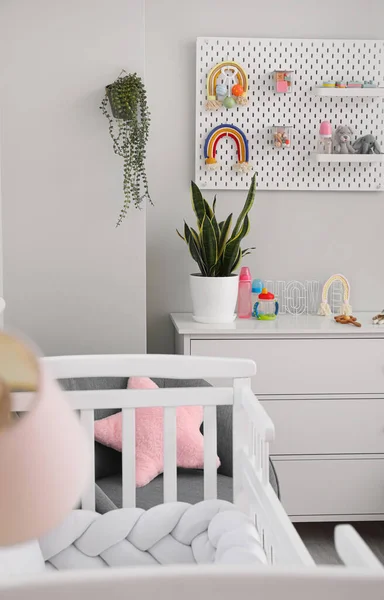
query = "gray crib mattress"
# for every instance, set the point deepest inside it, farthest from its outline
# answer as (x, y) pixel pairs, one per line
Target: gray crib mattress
(190, 488)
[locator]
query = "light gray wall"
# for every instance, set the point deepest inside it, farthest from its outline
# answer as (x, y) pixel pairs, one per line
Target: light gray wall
(72, 282)
(298, 235)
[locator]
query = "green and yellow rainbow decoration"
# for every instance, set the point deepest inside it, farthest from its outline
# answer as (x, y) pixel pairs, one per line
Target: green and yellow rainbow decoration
(222, 69)
(241, 142)
(325, 309)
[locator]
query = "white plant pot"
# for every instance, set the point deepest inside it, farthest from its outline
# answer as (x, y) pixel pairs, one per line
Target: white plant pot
(214, 298)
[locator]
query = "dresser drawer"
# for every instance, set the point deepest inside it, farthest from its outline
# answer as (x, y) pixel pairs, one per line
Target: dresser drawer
(332, 486)
(306, 366)
(327, 426)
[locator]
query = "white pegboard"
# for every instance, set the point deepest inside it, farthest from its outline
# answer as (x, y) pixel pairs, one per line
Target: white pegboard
(312, 61)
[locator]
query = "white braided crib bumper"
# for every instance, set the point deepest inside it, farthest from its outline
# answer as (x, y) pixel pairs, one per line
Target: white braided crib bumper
(212, 531)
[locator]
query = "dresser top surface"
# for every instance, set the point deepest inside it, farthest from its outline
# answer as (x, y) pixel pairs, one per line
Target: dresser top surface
(284, 325)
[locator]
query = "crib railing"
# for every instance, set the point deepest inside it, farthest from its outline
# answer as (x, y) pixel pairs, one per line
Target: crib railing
(253, 431)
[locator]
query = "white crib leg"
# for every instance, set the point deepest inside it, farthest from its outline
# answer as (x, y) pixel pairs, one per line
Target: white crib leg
(352, 549)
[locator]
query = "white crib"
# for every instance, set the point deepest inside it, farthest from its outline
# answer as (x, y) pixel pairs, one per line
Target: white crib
(294, 573)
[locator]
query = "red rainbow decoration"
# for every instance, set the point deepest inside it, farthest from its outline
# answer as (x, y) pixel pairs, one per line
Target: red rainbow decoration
(241, 142)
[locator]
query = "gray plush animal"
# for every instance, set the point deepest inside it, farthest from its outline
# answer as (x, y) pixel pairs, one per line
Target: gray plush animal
(367, 144)
(343, 143)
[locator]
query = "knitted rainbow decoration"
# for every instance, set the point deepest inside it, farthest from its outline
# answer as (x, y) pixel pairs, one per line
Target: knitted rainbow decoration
(241, 142)
(219, 70)
(325, 309)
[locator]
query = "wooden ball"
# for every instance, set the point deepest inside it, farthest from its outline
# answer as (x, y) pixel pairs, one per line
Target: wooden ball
(237, 90)
(229, 102)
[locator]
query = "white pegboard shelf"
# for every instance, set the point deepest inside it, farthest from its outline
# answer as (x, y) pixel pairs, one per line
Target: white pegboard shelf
(349, 158)
(292, 168)
(348, 92)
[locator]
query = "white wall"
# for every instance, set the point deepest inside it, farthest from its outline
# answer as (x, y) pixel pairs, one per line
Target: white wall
(298, 235)
(72, 282)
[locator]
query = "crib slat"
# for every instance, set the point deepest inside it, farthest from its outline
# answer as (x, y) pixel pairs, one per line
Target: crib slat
(128, 470)
(258, 451)
(210, 452)
(170, 458)
(88, 501)
(265, 463)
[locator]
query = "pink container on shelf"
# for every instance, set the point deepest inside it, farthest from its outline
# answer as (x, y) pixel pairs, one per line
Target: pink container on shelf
(244, 298)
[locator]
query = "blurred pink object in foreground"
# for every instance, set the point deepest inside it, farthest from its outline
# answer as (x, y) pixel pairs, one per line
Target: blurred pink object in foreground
(44, 455)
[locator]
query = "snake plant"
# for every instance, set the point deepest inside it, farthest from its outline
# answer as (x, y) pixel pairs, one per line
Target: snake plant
(213, 246)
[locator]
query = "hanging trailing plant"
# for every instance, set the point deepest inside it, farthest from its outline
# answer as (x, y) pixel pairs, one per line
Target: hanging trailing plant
(128, 128)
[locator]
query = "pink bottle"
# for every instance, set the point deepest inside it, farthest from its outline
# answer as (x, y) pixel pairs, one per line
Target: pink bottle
(244, 298)
(324, 144)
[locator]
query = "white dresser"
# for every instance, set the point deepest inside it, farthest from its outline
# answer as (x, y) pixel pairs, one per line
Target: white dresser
(323, 385)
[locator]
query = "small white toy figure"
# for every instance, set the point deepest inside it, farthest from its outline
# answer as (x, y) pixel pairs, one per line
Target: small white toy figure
(379, 319)
(343, 135)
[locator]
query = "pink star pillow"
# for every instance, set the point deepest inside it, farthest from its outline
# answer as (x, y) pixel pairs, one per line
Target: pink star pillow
(149, 435)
